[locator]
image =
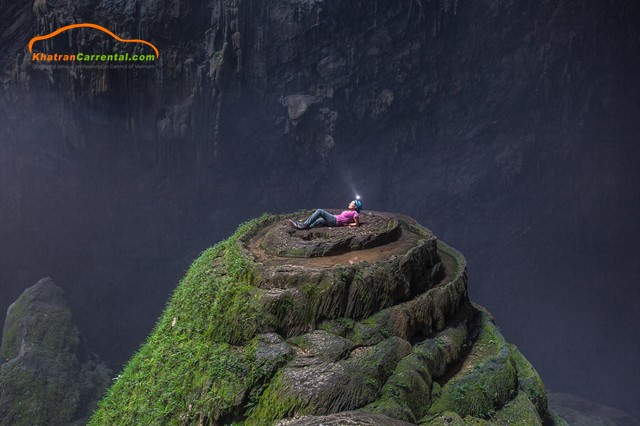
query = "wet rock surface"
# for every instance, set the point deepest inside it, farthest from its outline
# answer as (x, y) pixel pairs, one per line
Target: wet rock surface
(375, 229)
(390, 341)
(302, 292)
(50, 377)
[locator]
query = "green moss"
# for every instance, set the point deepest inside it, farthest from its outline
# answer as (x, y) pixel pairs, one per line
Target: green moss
(346, 385)
(276, 403)
(529, 381)
(407, 393)
(281, 308)
(440, 352)
(453, 419)
(237, 261)
(369, 371)
(309, 305)
(199, 365)
(474, 421)
(369, 331)
(391, 407)
(486, 380)
(338, 326)
(301, 341)
(52, 329)
(518, 411)
(37, 396)
(10, 346)
(556, 420)
(189, 369)
(44, 383)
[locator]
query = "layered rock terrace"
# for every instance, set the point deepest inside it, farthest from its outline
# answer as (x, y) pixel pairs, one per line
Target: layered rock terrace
(363, 325)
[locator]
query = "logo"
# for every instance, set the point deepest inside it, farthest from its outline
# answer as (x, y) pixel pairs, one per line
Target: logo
(93, 57)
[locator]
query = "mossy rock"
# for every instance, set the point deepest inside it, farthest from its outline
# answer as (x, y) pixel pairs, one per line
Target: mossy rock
(427, 313)
(556, 420)
(519, 411)
(407, 393)
(485, 380)
(450, 418)
(345, 418)
(529, 381)
(253, 338)
(208, 355)
(322, 345)
(301, 294)
(309, 384)
(40, 315)
(50, 376)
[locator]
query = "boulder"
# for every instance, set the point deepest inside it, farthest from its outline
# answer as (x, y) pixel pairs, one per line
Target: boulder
(49, 377)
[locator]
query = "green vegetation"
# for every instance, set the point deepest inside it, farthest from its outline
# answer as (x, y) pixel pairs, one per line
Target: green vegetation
(327, 387)
(338, 326)
(52, 329)
(529, 380)
(444, 349)
(10, 345)
(44, 382)
(276, 403)
(407, 392)
(486, 380)
(518, 411)
(29, 388)
(369, 331)
(453, 419)
(214, 356)
(193, 366)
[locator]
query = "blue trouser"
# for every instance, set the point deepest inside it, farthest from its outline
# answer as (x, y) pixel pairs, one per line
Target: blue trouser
(320, 218)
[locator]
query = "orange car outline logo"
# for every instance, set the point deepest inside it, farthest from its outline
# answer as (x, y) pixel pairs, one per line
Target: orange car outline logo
(87, 25)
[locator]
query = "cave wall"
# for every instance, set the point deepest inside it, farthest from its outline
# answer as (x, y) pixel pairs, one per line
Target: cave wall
(508, 127)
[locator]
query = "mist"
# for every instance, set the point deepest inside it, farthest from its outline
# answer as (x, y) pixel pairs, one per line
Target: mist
(536, 184)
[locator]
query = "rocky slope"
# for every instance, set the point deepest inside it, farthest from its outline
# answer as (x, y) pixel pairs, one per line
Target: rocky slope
(49, 377)
(380, 332)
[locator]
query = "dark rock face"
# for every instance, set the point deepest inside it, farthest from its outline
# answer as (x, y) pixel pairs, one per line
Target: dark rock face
(352, 284)
(49, 377)
(324, 73)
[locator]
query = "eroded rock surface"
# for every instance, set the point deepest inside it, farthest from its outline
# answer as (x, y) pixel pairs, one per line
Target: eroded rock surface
(50, 377)
(388, 337)
(375, 229)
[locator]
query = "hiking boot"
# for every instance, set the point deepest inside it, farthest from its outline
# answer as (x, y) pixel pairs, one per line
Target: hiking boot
(298, 225)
